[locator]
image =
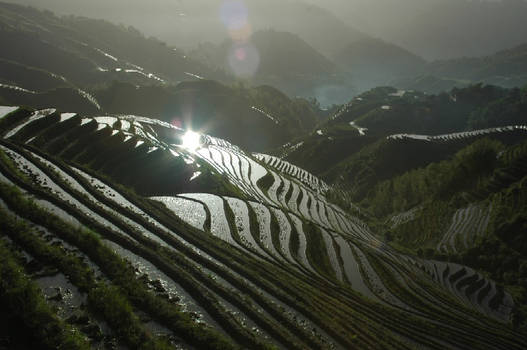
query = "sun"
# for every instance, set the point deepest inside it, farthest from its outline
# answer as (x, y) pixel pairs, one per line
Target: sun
(191, 140)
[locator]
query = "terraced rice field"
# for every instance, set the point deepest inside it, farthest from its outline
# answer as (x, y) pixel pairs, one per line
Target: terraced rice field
(467, 225)
(459, 135)
(470, 287)
(402, 218)
(271, 262)
(292, 170)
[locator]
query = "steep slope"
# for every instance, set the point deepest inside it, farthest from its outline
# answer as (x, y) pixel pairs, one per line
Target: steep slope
(256, 118)
(282, 60)
(466, 209)
(88, 52)
(372, 116)
(450, 196)
(230, 251)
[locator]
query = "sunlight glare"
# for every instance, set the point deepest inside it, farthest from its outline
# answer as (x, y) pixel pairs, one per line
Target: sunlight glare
(191, 140)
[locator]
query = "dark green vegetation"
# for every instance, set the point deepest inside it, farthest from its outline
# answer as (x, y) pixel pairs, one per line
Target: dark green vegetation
(27, 320)
(341, 151)
(487, 174)
(457, 197)
(255, 118)
(111, 302)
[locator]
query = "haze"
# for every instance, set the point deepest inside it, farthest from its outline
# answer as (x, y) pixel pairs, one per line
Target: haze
(433, 29)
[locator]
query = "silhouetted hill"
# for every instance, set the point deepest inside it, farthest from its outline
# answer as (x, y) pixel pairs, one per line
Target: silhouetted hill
(255, 118)
(363, 124)
(506, 68)
(92, 66)
(187, 23)
(285, 53)
(373, 62)
(285, 61)
(62, 97)
(89, 52)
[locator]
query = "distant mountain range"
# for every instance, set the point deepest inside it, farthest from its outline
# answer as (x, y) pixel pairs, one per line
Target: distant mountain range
(286, 62)
(506, 68)
(89, 51)
(187, 23)
(373, 62)
(438, 29)
(95, 67)
(365, 64)
(354, 63)
(429, 28)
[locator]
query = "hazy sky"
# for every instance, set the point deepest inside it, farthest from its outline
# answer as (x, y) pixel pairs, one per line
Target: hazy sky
(431, 28)
(455, 27)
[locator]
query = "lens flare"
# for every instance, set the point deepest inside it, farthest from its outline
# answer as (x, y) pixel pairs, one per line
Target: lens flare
(244, 60)
(234, 14)
(176, 122)
(241, 35)
(243, 57)
(191, 140)
(240, 53)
